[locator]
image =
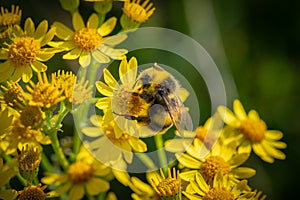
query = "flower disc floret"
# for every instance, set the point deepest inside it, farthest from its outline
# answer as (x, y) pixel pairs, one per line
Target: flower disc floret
(10, 18)
(212, 165)
(218, 194)
(253, 130)
(23, 51)
(80, 172)
(87, 39)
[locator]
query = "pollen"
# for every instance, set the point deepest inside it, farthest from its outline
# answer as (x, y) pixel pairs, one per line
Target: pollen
(219, 194)
(253, 130)
(44, 94)
(87, 39)
(212, 165)
(33, 192)
(138, 13)
(80, 172)
(13, 95)
(31, 116)
(10, 18)
(23, 51)
(170, 186)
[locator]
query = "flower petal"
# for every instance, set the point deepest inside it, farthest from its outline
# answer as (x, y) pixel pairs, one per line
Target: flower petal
(109, 79)
(92, 131)
(104, 89)
(29, 27)
(62, 31)
(6, 70)
(103, 103)
(17, 74)
(115, 39)
(73, 54)
(107, 27)
(188, 161)
(38, 66)
(128, 70)
(48, 37)
(93, 21)
(261, 152)
(41, 29)
(45, 56)
(228, 117)
(253, 114)
(188, 175)
(239, 110)
(3, 54)
(84, 58)
(243, 172)
(77, 192)
(138, 145)
(96, 185)
(273, 135)
(77, 21)
(27, 74)
(100, 57)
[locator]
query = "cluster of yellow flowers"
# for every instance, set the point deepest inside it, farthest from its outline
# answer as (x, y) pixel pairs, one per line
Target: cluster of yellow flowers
(34, 105)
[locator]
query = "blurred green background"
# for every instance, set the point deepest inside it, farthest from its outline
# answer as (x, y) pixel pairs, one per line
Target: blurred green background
(255, 44)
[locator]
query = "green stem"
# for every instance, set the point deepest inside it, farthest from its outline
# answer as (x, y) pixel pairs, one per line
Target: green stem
(58, 151)
(76, 144)
(159, 142)
(45, 163)
(146, 160)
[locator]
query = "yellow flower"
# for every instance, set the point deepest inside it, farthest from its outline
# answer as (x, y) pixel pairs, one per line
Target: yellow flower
(10, 18)
(208, 162)
(135, 13)
(89, 40)
(44, 94)
(105, 140)
(7, 21)
(12, 96)
(26, 51)
(7, 171)
(252, 133)
(74, 92)
(85, 176)
(116, 94)
(222, 188)
(141, 190)
(33, 192)
(25, 129)
(169, 187)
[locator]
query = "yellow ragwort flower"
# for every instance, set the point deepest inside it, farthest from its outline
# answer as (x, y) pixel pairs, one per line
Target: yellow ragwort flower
(89, 41)
(44, 93)
(252, 133)
(6, 120)
(138, 12)
(117, 95)
(222, 188)
(208, 162)
(105, 140)
(29, 160)
(7, 21)
(33, 192)
(26, 51)
(85, 176)
(169, 187)
(12, 96)
(10, 18)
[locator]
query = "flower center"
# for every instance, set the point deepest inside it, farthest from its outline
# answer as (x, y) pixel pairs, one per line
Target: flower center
(253, 130)
(31, 116)
(80, 172)
(13, 94)
(29, 158)
(212, 165)
(23, 51)
(10, 18)
(87, 39)
(218, 194)
(21, 132)
(45, 94)
(136, 12)
(33, 192)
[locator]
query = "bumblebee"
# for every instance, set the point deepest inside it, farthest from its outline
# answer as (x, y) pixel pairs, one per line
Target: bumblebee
(154, 102)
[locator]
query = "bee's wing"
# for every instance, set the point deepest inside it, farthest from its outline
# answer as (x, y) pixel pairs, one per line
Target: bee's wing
(178, 113)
